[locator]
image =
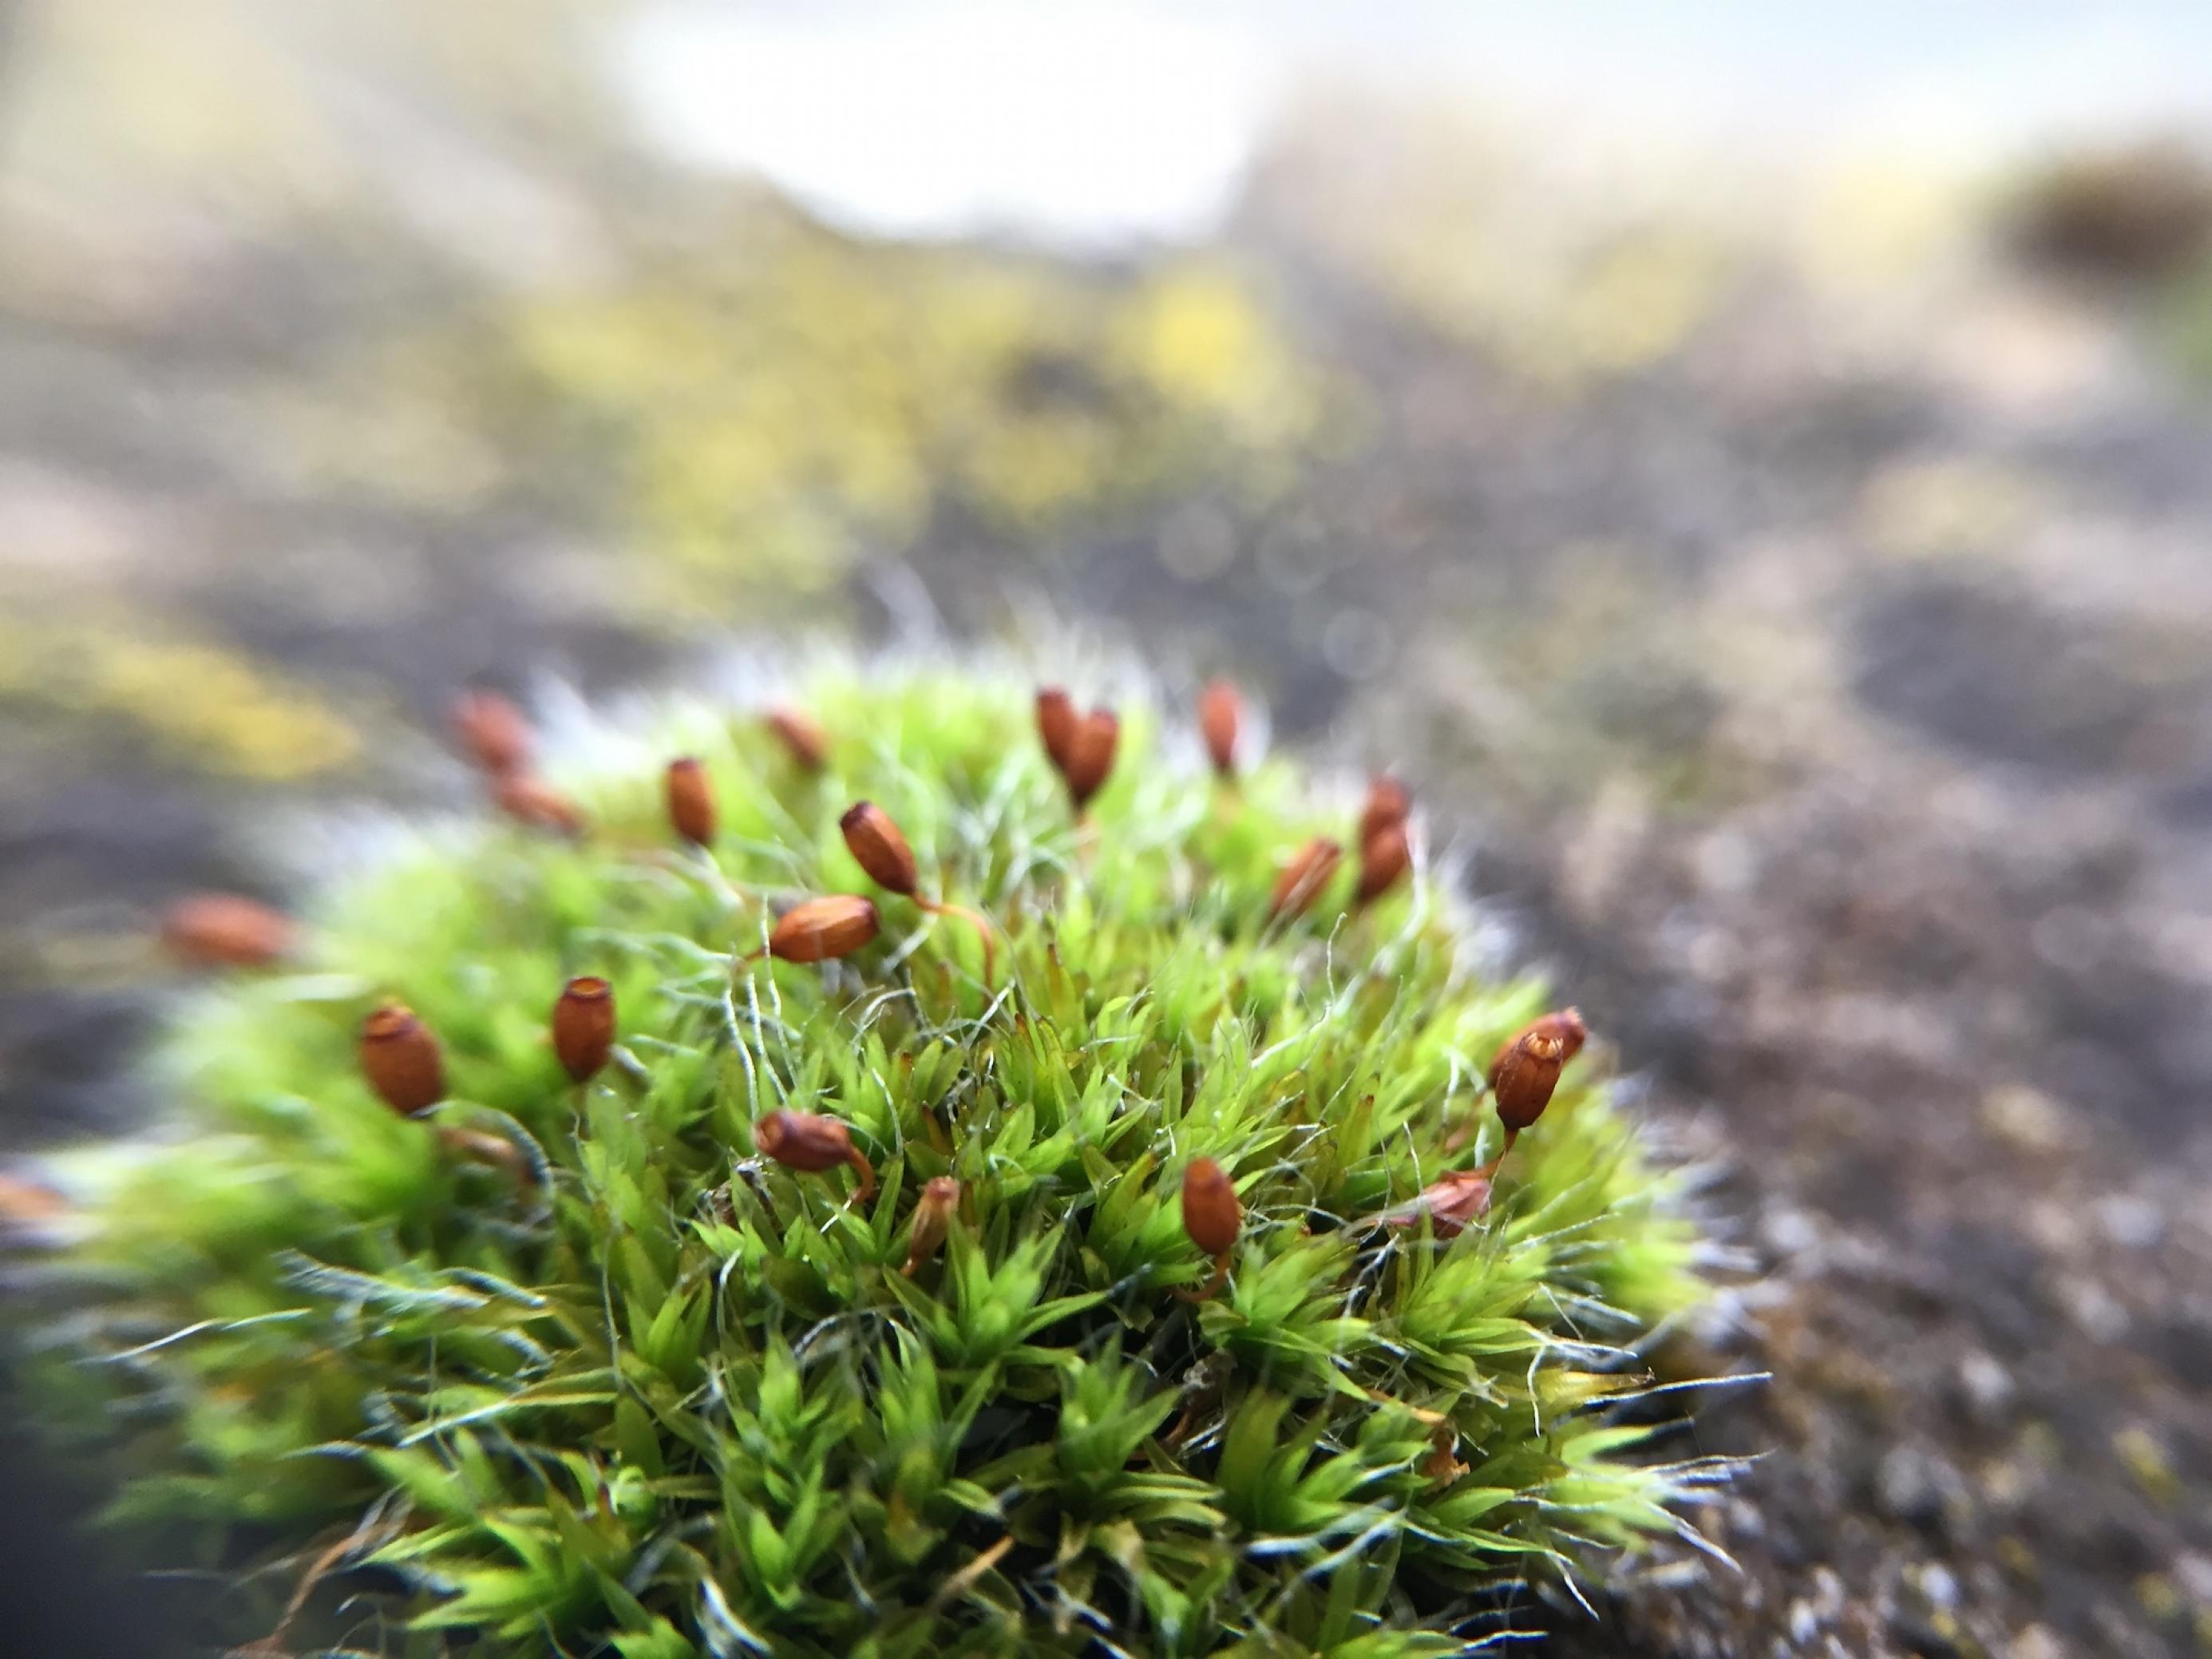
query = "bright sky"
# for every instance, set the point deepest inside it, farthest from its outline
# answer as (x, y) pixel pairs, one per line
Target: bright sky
(1089, 123)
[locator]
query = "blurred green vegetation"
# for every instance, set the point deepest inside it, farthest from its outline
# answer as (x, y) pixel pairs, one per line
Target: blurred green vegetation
(772, 410)
(209, 705)
(425, 267)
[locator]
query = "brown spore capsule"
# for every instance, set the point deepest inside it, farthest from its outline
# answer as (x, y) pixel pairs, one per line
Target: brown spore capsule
(1090, 754)
(820, 928)
(494, 1150)
(1304, 876)
(493, 732)
(1220, 715)
(878, 848)
(1527, 1066)
(691, 811)
(810, 1143)
(933, 1219)
(1211, 1214)
(1450, 1203)
(1056, 722)
(401, 1059)
(584, 1026)
(1388, 803)
(26, 1203)
(223, 930)
(1385, 858)
(801, 736)
(529, 799)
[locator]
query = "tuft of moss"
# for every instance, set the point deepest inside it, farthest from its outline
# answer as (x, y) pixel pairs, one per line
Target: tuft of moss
(563, 1367)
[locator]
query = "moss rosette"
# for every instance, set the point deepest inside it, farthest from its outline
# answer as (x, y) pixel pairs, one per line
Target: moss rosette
(663, 1396)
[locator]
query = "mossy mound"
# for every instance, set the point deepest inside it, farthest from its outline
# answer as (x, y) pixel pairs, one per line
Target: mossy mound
(637, 1388)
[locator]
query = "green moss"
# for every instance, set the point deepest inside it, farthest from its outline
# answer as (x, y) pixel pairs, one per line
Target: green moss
(678, 1399)
(189, 699)
(776, 406)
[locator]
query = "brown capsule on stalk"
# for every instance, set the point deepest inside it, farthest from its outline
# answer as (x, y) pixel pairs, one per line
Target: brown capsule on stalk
(1449, 1203)
(530, 799)
(1056, 723)
(812, 1143)
(1384, 859)
(1388, 803)
(495, 732)
(801, 736)
(933, 1219)
(1440, 1465)
(1220, 713)
(820, 928)
(803, 1140)
(222, 930)
(690, 801)
(879, 848)
(1527, 1066)
(1211, 1214)
(401, 1060)
(1304, 876)
(584, 1026)
(25, 1203)
(1090, 754)
(494, 1150)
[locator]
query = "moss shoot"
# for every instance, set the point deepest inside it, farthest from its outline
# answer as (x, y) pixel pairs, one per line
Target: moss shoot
(640, 1365)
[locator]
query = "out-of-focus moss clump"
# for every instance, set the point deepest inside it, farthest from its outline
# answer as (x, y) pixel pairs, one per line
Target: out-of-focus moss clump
(191, 700)
(1563, 289)
(768, 410)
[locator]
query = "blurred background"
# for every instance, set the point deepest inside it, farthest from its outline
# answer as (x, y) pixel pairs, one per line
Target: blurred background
(1751, 465)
